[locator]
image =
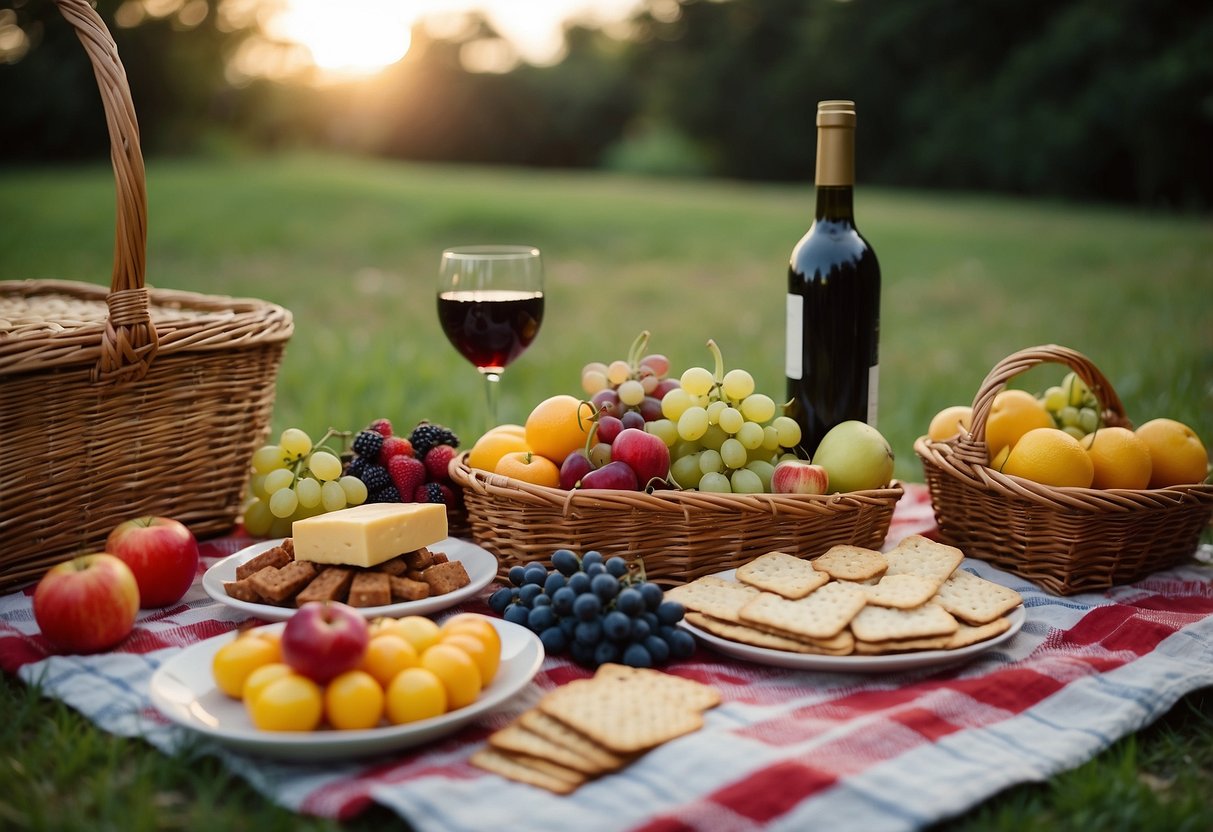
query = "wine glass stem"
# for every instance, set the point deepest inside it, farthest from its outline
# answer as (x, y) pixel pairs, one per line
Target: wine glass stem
(491, 381)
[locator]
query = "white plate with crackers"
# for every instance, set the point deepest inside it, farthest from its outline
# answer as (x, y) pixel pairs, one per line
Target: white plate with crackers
(480, 564)
(183, 690)
(852, 610)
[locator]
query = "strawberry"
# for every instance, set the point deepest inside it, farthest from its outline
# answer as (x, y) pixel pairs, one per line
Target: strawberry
(383, 427)
(407, 473)
(394, 446)
(438, 460)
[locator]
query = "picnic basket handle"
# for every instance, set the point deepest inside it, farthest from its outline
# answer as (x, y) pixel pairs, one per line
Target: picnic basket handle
(972, 446)
(129, 342)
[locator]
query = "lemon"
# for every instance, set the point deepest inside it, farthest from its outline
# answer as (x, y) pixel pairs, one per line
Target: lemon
(1177, 456)
(1121, 459)
(1013, 414)
(1050, 457)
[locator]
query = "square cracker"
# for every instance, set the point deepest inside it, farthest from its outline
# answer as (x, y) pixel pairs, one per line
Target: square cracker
(885, 623)
(821, 614)
(975, 600)
(902, 591)
(917, 555)
(517, 739)
(967, 634)
(617, 713)
(556, 732)
(526, 770)
(782, 574)
(754, 637)
(690, 693)
(713, 596)
(902, 645)
(851, 563)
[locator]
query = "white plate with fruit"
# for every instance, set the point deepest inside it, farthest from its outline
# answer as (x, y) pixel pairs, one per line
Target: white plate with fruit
(481, 566)
(184, 689)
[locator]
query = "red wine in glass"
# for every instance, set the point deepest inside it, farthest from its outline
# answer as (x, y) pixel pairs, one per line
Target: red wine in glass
(490, 327)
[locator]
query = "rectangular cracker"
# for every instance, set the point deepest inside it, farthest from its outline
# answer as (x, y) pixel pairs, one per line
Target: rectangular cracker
(518, 739)
(445, 577)
(918, 555)
(242, 590)
(555, 731)
(851, 563)
(886, 623)
(975, 600)
(657, 683)
(330, 585)
(904, 645)
(821, 614)
(967, 634)
(902, 591)
(523, 770)
(755, 637)
(419, 559)
(783, 574)
(277, 557)
(395, 566)
(713, 596)
(277, 585)
(405, 589)
(370, 589)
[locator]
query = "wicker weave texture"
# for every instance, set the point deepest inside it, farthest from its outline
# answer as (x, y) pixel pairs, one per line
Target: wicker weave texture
(681, 535)
(128, 401)
(1066, 540)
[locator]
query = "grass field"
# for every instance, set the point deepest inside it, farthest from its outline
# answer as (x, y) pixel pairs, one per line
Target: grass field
(351, 247)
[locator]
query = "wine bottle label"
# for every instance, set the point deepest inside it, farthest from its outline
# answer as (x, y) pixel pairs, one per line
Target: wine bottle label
(873, 392)
(794, 351)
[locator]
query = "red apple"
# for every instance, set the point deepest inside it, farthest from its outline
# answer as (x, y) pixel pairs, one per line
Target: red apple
(644, 453)
(161, 552)
(795, 476)
(87, 604)
(575, 466)
(324, 639)
(616, 475)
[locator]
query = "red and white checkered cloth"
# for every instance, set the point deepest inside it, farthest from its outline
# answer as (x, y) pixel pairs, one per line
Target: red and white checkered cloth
(786, 749)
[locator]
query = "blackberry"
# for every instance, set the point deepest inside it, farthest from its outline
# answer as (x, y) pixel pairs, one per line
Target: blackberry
(426, 436)
(368, 443)
(357, 467)
(433, 493)
(375, 478)
(385, 495)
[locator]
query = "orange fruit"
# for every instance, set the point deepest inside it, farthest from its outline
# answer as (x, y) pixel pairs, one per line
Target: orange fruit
(291, 703)
(513, 430)
(1050, 457)
(1014, 413)
(493, 446)
(415, 694)
(1121, 459)
(949, 421)
(558, 426)
(262, 676)
(235, 661)
(386, 655)
(456, 670)
(477, 625)
(529, 467)
(1177, 456)
(486, 660)
(353, 701)
(417, 630)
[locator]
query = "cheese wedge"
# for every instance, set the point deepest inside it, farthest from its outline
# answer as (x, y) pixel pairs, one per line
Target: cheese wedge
(368, 534)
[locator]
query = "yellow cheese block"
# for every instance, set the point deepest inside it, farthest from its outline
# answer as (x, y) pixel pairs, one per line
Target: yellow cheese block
(368, 534)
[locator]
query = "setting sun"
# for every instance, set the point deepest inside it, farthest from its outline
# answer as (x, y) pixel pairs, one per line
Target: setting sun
(358, 37)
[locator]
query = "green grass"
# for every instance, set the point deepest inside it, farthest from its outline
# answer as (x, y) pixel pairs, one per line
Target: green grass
(351, 247)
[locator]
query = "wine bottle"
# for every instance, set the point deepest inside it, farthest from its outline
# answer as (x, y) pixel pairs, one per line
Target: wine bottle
(833, 302)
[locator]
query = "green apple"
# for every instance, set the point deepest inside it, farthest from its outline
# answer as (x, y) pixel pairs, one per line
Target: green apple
(856, 457)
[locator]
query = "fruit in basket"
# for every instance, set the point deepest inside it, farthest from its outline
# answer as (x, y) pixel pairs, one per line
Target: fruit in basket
(493, 446)
(1072, 406)
(644, 453)
(950, 422)
(856, 457)
(1050, 456)
(1012, 414)
(798, 476)
(397, 469)
(324, 639)
(575, 466)
(614, 475)
(529, 467)
(1177, 456)
(558, 426)
(161, 552)
(1120, 458)
(87, 604)
(635, 385)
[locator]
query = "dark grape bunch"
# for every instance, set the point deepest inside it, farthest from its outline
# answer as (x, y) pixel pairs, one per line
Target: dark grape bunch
(596, 609)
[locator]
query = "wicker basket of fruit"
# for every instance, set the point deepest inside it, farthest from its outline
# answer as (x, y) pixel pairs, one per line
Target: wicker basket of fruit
(602, 475)
(130, 400)
(1071, 515)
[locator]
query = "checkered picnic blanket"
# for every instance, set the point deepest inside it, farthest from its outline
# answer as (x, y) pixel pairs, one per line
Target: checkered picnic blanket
(786, 749)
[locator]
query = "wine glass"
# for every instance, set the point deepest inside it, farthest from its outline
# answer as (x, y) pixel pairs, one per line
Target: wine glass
(490, 305)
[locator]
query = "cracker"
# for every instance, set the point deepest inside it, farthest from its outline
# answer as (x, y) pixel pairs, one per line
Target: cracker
(901, 645)
(902, 591)
(405, 589)
(370, 589)
(690, 693)
(851, 563)
(438, 557)
(713, 596)
(518, 739)
(523, 770)
(967, 634)
(885, 623)
(759, 638)
(556, 732)
(446, 577)
(396, 566)
(917, 555)
(277, 585)
(276, 557)
(821, 614)
(783, 574)
(419, 559)
(242, 590)
(330, 585)
(975, 600)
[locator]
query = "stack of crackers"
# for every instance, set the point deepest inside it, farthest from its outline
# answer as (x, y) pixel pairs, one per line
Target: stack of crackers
(852, 601)
(275, 577)
(594, 726)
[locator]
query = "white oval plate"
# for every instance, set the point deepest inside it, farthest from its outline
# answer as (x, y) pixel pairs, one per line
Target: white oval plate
(853, 664)
(184, 691)
(480, 564)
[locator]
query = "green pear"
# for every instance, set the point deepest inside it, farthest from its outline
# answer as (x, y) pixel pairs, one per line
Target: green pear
(856, 456)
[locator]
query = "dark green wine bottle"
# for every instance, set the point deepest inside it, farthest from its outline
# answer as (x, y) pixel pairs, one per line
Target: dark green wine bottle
(833, 303)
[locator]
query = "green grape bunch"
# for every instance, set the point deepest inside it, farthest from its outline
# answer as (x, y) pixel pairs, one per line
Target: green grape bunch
(1073, 406)
(723, 436)
(296, 478)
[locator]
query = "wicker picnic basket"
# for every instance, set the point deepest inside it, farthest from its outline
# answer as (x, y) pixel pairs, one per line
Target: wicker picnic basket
(127, 402)
(1066, 540)
(681, 535)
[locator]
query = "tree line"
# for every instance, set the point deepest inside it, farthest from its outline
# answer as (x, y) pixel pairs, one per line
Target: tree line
(1108, 100)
